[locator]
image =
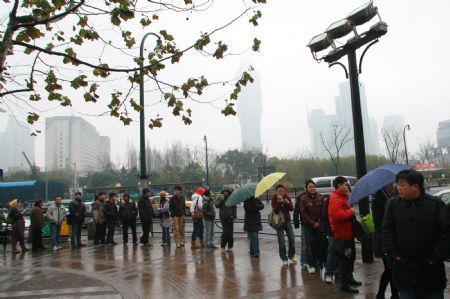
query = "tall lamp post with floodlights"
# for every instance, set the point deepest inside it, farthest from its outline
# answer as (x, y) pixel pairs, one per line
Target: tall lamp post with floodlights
(320, 42)
(143, 176)
(404, 142)
(207, 166)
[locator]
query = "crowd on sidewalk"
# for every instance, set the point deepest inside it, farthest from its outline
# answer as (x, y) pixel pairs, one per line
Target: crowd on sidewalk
(412, 230)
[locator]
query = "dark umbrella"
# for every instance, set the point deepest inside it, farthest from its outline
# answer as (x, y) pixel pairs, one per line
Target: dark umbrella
(241, 194)
(376, 179)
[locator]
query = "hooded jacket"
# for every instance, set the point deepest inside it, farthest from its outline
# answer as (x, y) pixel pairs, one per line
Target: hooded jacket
(340, 216)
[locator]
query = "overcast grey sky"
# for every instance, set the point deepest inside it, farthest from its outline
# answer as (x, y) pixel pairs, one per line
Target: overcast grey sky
(407, 73)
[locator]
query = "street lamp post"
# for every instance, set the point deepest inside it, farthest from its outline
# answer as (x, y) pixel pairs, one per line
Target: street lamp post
(207, 166)
(143, 175)
(404, 142)
(324, 40)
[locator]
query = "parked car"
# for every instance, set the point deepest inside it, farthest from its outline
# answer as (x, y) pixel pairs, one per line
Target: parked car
(324, 184)
(444, 195)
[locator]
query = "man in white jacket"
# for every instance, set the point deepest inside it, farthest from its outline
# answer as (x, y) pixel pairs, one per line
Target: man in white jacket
(56, 213)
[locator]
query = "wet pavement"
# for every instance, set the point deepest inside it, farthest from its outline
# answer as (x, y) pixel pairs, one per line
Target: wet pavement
(133, 271)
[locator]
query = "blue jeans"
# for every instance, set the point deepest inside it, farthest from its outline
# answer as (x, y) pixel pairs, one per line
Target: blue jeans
(304, 248)
(198, 229)
(55, 229)
(254, 243)
(209, 233)
(75, 234)
(166, 235)
(287, 227)
(408, 295)
(332, 263)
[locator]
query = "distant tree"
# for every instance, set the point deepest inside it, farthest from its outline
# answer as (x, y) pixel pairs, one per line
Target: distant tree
(393, 139)
(426, 150)
(339, 136)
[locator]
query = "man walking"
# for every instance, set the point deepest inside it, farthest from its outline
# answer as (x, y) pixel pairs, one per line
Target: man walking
(37, 223)
(177, 207)
(99, 219)
(128, 213)
(415, 238)
(112, 217)
(77, 213)
(145, 215)
(56, 214)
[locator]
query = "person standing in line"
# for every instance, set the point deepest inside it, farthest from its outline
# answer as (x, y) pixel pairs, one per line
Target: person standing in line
(197, 218)
(145, 215)
(77, 214)
(128, 214)
(177, 207)
(56, 214)
(209, 215)
(298, 223)
(340, 215)
(282, 203)
(37, 223)
(310, 208)
(166, 220)
(15, 217)
(228, 216)
(332, 261)
(99, 219)
(416, 239)
(252, 223)
(112, 217)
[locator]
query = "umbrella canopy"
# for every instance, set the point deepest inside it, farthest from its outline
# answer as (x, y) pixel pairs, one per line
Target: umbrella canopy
(376, 179)
(241, 194)
(267, 182)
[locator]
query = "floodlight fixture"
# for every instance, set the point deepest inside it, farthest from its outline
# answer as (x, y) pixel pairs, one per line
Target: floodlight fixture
(319, 42)
(339, 29)
(363, 14)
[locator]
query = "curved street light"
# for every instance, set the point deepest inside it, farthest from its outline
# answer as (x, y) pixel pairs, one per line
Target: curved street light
(404, 142)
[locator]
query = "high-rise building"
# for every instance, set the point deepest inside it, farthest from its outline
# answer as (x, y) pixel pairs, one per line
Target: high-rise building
(249, 111)
(319, 124)
(13, 141)
(394, 121)
(73, 143)
(443, 134)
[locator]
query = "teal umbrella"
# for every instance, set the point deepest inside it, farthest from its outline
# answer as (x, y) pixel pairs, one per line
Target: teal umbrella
(241, 194)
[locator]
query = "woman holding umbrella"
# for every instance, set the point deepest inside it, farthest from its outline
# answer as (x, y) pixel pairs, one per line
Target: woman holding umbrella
(252, 223)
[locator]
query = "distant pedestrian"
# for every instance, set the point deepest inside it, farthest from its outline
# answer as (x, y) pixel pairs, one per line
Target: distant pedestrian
(252, 223)
(340, 215)
(15, 217)
(227, 215)
(56, 213)
(112, 218)
(99, 219)
(197, 218)
(145, 215)
(209, 215)
(282, 202)
(416, 239)
(77, 214)
(177, 206)
(298, 223)
(166, 220)
(37, 223)
(128, 213)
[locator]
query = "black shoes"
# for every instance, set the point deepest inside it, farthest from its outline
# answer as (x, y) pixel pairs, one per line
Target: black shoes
(355, 283)
(349, 289)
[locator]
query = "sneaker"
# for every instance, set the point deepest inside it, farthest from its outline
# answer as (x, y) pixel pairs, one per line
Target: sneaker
(328, 279)
(311, 270)
(294, 260)
(55, 248)
(285, 263)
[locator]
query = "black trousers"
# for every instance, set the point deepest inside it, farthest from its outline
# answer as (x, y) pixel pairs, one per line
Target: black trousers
(36, 239)
(100, 233)
(111, 225)
(145, 230)
(129, 224)
(347, 262)
(227, 233)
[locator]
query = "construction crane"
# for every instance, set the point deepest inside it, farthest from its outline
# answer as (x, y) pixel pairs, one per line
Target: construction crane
(32, 167)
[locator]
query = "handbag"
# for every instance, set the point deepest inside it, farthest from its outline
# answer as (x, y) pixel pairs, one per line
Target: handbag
(276, 219)
(197, 214)
(360, 230)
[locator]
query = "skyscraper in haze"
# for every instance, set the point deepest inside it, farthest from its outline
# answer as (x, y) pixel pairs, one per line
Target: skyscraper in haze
(249, 111)
(72, 142)
(443, 134)
(319, 123)
(394, 121)
(14, 140)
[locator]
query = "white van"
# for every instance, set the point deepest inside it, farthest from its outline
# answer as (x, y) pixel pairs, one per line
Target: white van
(324, 184)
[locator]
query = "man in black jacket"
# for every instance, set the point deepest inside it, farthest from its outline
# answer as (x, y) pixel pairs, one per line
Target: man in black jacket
(127, 214)
(77, 213)
(415, 239)
(145, 215)
(177, 207)
(227, 217)
(112, 217)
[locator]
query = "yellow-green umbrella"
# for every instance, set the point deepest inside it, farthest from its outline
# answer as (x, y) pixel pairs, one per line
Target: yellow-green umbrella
(267, 182)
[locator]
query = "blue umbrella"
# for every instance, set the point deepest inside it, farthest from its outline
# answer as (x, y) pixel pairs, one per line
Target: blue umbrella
(376, 179)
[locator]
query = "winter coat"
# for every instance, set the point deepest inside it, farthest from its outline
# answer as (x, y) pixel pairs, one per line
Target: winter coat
(340, 216)
(110, 211)
(445, 220)
(77, 211)
(414, 231)
(324, 219)
(297, 215)
(177, 206)
(252, 219)
(56, 214)
(166, 220)
(285, 208)
(97, 211)
(378, 209)
(197, 201)
(311, 208)
(226, 212)
(37, 218)
(17, 222)
(145, 209)
(128, 211)
(209, 213)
